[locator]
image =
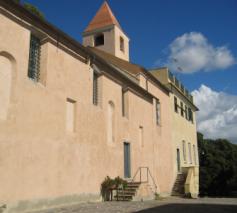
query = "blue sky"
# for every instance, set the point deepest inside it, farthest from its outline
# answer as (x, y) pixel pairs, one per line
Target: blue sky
(152, 25)
(200, 34)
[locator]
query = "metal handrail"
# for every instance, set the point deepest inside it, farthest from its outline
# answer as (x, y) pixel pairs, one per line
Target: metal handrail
(139, 170)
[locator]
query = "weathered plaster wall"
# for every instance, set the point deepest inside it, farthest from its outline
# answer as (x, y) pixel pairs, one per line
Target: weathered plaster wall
(39, 158)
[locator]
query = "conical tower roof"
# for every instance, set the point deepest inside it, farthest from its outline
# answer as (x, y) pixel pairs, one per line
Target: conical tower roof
(103, 18)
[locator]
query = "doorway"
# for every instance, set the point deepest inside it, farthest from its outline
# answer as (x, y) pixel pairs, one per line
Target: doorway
(178, 161)
(127, 160)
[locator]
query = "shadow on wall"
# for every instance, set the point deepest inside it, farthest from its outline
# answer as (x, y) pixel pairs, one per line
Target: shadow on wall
(192, 208)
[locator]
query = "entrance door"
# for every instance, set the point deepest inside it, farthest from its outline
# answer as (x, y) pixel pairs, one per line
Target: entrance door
(178, 160)
(127, 161)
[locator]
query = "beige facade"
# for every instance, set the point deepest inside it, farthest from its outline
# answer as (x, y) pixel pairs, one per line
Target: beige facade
(57, 144)
(184, 134)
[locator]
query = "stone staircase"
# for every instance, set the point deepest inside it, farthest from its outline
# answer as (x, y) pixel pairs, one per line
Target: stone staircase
(178, 188)
(128, 193)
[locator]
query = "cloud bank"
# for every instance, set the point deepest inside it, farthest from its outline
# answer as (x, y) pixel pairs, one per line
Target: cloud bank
(192, 52)
(217, 117)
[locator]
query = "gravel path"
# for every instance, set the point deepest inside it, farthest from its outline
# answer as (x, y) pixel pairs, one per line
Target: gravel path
(168, 205)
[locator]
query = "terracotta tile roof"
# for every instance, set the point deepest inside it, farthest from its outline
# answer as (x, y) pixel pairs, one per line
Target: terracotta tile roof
(126, 67)
(104, 17)
(130, 68)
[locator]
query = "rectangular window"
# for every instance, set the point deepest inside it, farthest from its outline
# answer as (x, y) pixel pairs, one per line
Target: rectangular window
(182, 108)
(141, 136)
(124, 103)
(121, 44)
(194, 154)
(190, 153)
(186, 112)
(157, 112)
(190, 114)
(34, 58)
(95, 88)
(184, 151)
(99, 40)
(175, 104)
(70, 115)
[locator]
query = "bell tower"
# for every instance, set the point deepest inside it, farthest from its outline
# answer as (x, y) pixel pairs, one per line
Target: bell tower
(104, 32)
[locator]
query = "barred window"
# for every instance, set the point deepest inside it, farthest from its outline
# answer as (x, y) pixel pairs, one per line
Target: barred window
(34, 58)
(95, 88)
(157, 112)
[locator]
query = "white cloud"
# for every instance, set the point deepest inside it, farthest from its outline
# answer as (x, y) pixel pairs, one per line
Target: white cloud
(217, 117)
(192, 52)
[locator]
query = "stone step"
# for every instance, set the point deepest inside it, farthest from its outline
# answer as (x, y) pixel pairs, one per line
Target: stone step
(123, 197)
(126, 193)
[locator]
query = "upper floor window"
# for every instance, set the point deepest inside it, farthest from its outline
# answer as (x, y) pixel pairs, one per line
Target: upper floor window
(157, 112)
(190, 114)
(121, 44)
(34, 58)
(95, 89)
(175, 104)
(182, 108)
(99, 40)
(124, 103)
(186, 112)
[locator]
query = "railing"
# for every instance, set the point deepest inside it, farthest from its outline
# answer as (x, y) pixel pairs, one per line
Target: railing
(147, 175)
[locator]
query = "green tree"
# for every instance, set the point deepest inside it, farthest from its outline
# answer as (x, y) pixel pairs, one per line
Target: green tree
(218, 167)
(33, 9)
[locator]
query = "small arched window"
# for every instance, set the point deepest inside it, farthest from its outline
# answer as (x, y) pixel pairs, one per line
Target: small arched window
(5, 85)
(99, 40)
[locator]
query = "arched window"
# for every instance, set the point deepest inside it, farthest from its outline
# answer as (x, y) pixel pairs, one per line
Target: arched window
(111, 122)
(5, 85)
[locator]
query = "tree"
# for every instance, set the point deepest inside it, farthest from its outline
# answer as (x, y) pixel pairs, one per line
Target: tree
(218, 167)
(33, 9)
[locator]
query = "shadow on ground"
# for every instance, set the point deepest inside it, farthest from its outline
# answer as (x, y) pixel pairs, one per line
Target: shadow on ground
(192, 208)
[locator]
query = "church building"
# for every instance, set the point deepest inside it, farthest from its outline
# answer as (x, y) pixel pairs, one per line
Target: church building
(72, 114)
